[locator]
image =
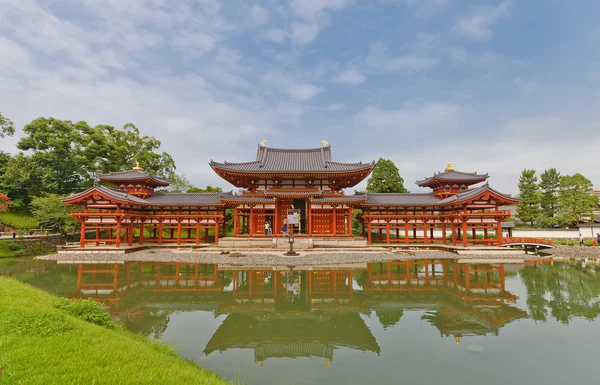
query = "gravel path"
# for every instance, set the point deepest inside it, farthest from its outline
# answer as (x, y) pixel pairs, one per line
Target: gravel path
(577, 252)
(268, 258)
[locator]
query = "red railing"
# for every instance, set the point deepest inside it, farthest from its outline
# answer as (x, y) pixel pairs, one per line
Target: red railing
(540, 241)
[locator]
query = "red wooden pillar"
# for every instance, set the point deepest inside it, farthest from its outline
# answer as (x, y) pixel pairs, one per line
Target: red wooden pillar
(387, 231)
(97, 236)
(499, 232)
(178, 231)
(425, 231)
(142, 232)
(350, 221)
(369, 235)
(453, 228)
(118, 234)
(130, 229)
(216, 231)
(160, 230)
(206, 235)
(82, 235)
(405, 232)
(251, 221)
(464, 232)
(334, 232)
(235, 222)
(197, 241)
(485, 233)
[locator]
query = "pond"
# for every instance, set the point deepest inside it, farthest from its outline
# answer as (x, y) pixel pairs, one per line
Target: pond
(418, 322)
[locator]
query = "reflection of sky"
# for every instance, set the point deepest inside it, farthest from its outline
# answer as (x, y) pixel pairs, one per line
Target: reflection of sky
(413, 352)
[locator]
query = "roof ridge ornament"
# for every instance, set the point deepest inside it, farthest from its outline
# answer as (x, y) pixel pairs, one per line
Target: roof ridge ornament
(137, 166)
(325, 143)
(449, 167)
(263, 143)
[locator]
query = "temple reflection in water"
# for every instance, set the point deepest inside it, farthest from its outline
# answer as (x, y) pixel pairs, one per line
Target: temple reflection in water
(299, 312)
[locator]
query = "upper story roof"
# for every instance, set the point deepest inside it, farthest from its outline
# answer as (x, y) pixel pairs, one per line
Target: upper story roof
(449, 175)
(137, 175)
(277, 160)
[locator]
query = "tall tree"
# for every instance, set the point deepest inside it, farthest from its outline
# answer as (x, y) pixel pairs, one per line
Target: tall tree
(549, 185)
(528, 209)
(22, 180)
(56, 147)
(575, 200)
(385, 178)
(7, 127)
(109, 149)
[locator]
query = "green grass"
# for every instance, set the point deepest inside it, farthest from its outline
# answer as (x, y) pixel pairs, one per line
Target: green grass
(43, 340)
(8, 249)
(19, 221)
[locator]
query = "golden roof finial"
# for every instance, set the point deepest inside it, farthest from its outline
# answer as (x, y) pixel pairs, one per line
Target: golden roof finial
(457, 339)
(137, 166)
(324, 143)
(449, 167)
(263, 143)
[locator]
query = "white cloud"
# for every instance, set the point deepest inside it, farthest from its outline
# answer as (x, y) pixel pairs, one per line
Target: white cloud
(303, 33)
(479, 24)
(434, 116)
(276, 35)
(303, 92)
(351, 76)
(257, 15)
(458, 54)
(380, 60)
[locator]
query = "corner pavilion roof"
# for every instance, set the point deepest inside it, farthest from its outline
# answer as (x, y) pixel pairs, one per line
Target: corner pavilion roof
(118, 195)
(135, 175)
(451, 175)
(271, 160)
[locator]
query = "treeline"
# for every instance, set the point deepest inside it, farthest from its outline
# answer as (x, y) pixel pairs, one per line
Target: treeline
(59, 157)
(555, 199)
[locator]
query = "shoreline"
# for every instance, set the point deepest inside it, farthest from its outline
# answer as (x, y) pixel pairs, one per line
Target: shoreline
(270, 258)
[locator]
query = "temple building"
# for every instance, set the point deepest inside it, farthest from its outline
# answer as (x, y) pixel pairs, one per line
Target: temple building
(301, 190)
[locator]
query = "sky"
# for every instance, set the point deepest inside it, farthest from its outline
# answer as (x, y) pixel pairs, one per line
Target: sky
(490, 86)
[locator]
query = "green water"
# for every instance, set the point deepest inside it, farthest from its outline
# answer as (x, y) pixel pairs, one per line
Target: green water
(383, 323)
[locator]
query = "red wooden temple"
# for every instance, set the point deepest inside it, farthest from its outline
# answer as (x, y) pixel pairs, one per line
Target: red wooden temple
(460, 209)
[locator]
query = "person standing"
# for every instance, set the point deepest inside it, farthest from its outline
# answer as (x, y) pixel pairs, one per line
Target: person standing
(580, 239)
(267, 227)
(284, 227)
(598, 238)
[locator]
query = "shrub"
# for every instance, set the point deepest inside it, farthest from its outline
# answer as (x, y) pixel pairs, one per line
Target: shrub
(87, 310)
(13, 246)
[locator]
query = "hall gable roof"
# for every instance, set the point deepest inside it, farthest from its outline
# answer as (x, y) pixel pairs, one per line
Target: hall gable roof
(269, 160)
(133, 176)
(453, 176)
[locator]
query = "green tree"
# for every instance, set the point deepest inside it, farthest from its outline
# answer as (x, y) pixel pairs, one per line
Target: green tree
(56, 147)
(7, 127)
(385, 178)
(575, 201)
(52, 213)
(69, 153)
(207, 189)
(22, 179)
(108, 149)
(549, 185)
(179, 183)
(528, 209)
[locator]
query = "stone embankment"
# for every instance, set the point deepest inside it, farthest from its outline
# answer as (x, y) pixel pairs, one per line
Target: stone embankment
(576, 252)
(271, 258)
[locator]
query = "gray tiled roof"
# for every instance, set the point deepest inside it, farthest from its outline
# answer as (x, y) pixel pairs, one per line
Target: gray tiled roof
(132, 175)
(119, 195)
(471, 193)
(293, 160)
(247, 199)
(452, 175)
(344, 199)
(185, 199)
(399, 199)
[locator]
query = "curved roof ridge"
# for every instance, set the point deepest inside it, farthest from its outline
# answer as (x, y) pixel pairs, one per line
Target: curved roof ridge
(315, 149)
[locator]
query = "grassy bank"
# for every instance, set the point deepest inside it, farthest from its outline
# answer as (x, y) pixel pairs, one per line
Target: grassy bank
(44, 340)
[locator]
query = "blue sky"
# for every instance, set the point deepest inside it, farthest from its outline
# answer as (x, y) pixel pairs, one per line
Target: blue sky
(491, 86)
